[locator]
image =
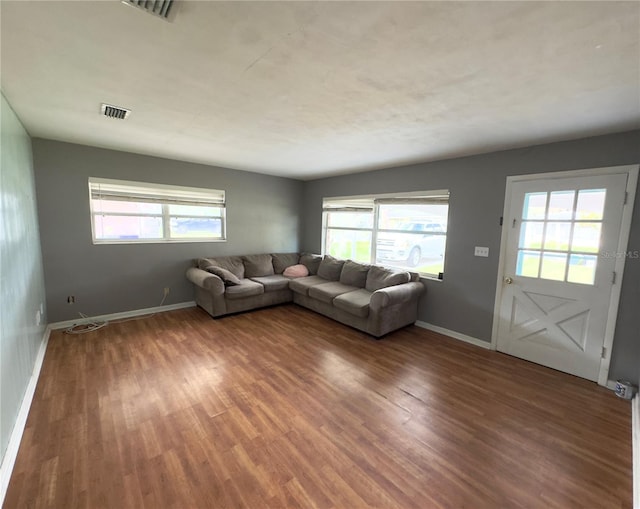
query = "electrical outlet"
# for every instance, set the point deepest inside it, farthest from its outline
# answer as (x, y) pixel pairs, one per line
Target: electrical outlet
(166, 291)
(71, 299)
(482, 251)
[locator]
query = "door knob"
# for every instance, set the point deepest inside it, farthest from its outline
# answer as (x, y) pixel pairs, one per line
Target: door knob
(508, 280)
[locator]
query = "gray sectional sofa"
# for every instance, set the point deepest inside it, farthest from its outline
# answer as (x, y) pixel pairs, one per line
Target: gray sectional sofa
(373, 299)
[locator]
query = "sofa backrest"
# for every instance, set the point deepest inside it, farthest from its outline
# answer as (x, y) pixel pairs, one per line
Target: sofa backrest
(283, 260)
(354, 273)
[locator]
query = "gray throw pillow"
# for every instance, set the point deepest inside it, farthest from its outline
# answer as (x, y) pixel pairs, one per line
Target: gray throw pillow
(311, 262)
(231, 263)
(257, 265)
(379, 277)
(227, 277)
(330, 268)
(354, 273)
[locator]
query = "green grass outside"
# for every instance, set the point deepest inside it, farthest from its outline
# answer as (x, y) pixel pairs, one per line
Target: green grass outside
(554, 269)
(345, 250)
(562, 246)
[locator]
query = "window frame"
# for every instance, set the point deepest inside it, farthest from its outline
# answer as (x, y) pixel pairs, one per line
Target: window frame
(161, 194)
(362, 203)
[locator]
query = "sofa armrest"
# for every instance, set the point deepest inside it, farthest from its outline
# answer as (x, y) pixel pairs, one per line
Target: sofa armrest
(398, 294)
(206, 280)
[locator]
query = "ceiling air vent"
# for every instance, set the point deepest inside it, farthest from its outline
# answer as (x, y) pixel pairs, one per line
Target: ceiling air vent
(114, 111)
(161, 8)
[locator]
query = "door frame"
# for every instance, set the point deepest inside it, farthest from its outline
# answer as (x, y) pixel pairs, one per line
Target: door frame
(625, 229)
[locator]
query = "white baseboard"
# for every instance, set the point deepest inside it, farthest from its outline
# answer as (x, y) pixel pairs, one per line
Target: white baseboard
(455, 335)
(635, 433)
(13, 446)
(125, 314)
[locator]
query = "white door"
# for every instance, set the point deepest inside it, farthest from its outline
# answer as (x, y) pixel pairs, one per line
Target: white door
(562, 235)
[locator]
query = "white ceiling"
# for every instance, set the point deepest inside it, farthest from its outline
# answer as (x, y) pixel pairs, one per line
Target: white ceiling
(310, 89)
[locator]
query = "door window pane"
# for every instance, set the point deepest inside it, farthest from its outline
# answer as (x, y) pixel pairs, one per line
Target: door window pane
(528, 264)
(590, 204)
(531, 235)
(557, 236)
(534, 206)
(582, 269)
(553, 266)
(586, 237)
(561, 205)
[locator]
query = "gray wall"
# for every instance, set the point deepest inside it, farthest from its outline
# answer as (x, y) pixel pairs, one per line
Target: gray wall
(464, 301)
(262, 216)
(21, 277)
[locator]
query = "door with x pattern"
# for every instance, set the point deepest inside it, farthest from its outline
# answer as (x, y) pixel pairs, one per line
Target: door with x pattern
(559, 270)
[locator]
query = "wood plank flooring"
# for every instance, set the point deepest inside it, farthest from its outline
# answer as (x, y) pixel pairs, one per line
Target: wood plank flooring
(282, 407)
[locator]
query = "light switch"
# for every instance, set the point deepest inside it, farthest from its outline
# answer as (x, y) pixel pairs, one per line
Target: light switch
(482, 251)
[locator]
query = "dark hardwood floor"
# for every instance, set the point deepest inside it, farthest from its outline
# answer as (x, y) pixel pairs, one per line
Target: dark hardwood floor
(282, 407)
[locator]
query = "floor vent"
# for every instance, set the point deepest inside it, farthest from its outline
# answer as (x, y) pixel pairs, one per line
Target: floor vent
(161, 8)
(114, 111)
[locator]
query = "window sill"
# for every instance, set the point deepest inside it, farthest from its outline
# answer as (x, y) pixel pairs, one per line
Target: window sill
(432, 278)
(154, 241)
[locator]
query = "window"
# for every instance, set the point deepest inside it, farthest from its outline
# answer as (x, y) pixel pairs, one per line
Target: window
(403, 230)
(560, 235)
(123, 212)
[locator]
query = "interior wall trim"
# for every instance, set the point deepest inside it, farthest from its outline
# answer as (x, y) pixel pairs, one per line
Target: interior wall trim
(124, 314)
(454, 334)
(635, 431)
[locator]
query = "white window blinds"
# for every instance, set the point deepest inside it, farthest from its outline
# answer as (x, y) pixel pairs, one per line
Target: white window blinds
(118, 190)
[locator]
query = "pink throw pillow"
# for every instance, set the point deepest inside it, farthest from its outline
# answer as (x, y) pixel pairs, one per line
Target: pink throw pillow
(296, 271)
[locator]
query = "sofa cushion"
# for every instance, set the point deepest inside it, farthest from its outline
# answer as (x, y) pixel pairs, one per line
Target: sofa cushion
(302, 284)
(273, 282)
(228, 278)
(330, 268)
(232, 263)
(354, 273)
(379, 277)
(328, 291)
(283, 260)
(296, 271)
(356, 302)
(311, 262)
(246, 288)
(257, 265)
